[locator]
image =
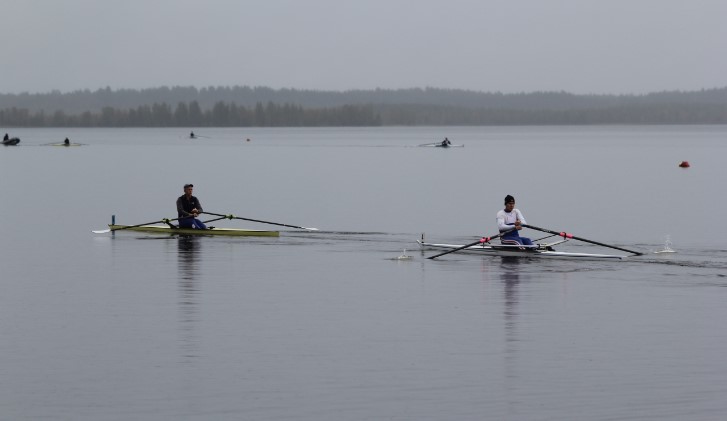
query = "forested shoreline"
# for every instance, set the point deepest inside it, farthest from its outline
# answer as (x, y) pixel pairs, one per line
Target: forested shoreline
(266, 107)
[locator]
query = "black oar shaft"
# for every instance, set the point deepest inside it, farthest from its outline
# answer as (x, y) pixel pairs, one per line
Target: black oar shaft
(165, 220)
(258, 220)
(481, 240)
(585, 240)
(215, 219)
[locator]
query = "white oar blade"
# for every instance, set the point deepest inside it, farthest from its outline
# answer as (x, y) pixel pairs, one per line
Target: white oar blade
(310, 229)
(101, 231)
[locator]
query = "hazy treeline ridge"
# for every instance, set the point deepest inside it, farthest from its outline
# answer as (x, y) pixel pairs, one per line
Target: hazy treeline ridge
(192, 115)
(260, 106)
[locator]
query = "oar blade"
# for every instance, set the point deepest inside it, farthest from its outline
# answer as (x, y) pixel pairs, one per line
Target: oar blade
(101, 231)
(585, 240)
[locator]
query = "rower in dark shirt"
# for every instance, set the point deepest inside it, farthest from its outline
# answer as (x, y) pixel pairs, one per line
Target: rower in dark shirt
(188, 208)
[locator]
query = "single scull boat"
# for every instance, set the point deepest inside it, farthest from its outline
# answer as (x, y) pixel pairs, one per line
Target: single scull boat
(483, 246)
(440, 145)
(518, 251)
(161, 229)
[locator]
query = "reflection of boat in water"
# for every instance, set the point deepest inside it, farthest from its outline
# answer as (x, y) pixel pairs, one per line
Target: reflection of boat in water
(188, 254)
(11, 141)
(188, 248)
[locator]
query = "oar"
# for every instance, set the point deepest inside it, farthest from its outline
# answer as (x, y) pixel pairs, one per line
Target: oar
(257, 220)
(165, 220)
(214, 219)
(481, 240)
(566, 235)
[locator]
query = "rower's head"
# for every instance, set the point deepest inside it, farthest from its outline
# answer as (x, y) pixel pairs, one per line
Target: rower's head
(188, 189)
(509, 203)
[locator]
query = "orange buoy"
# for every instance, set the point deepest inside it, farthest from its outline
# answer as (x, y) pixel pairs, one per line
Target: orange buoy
(684, 164)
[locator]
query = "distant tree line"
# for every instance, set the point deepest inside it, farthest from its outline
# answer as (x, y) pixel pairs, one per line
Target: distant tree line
(421, 115)
(77, 102)
(192, 115)
(264, 107)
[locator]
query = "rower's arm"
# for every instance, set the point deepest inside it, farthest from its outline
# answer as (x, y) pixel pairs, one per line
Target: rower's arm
(520, 217)
(180, 209)
(501, 225)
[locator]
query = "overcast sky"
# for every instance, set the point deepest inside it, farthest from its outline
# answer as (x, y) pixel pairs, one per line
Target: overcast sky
(578, 46)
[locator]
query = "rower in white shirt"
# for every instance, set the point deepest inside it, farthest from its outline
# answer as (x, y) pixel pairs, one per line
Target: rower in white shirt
(509, 218)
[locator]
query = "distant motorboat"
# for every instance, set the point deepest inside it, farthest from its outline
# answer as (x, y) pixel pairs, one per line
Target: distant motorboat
(11, 142)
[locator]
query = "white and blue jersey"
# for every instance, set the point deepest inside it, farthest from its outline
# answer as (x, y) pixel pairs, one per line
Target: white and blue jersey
(506, 221)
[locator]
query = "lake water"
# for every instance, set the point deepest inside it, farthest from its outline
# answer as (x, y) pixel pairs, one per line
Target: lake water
(329, 325)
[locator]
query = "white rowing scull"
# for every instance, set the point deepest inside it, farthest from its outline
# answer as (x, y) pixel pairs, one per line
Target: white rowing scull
(504, 250)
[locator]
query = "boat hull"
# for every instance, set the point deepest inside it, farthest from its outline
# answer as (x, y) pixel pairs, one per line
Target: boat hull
(230, 232)
(515, 251)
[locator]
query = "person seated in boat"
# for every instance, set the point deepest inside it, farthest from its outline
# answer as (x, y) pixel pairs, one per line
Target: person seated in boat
(6, 137)
(191, 135)
(446, 142)
(188, 208)
(67, 142)
(509, 218)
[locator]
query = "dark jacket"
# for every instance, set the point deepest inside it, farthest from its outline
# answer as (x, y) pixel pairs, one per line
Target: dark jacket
(185, 206)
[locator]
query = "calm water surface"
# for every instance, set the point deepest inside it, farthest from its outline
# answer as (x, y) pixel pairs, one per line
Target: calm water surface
(330, 325)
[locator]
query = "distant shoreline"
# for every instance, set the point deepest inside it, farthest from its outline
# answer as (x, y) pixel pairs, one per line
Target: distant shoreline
(265, 107)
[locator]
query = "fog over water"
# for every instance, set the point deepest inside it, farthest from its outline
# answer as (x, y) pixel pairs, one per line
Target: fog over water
(616, 47)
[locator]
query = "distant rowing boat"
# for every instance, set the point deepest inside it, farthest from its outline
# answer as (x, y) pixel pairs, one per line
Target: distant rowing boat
(64, 144)
(439, 145)
(167, 230)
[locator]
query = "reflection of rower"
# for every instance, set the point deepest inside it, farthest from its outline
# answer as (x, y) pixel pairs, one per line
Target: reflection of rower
(446, 143)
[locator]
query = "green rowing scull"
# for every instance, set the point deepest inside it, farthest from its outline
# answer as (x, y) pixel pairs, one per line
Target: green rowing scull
(161, 229)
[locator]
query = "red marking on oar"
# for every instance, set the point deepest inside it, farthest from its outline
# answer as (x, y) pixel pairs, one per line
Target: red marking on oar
(485, 239)
(566, 235)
